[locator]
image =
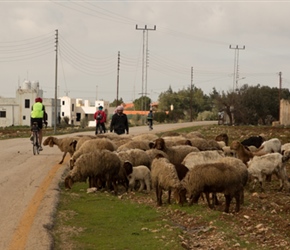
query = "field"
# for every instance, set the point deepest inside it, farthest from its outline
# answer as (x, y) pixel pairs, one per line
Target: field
(133, 221)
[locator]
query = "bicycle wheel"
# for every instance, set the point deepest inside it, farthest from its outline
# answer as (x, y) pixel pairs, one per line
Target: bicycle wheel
(35, 144)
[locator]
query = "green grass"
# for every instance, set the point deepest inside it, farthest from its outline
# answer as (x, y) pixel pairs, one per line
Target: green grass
(104, 221)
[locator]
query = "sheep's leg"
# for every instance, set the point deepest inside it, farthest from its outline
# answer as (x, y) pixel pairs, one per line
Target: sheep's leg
(169, 196)
(211, 206)
(62, 158)
(158, 191)
(215, 200)
(141, 185)
(228, 202)
(238, 200)
(147, 183)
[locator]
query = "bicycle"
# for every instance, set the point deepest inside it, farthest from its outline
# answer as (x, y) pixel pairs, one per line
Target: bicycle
(35, 142)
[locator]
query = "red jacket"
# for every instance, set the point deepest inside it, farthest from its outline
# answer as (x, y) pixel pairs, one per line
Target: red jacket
(103, 114)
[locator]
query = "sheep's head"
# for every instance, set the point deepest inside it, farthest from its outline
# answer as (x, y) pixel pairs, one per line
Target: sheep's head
(48, 141)
(71, 163)
(128, 167)
(74, 144)
(235, 145)
(159, 144)
(68, 182)
(180, 196)
(158, 156)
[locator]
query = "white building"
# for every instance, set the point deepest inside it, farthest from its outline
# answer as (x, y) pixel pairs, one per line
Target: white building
(77, 109)
(16, 111)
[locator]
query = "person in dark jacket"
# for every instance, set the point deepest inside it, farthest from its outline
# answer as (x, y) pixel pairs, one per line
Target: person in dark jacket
(119, 122)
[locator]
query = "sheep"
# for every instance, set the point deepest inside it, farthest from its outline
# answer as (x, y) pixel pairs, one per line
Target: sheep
(196, 158)
(135, 156)
(138, 173)
(78, 143)
(149, 137)
(267, 164)
(176, 140)
(153, 152)
(98, 164)
(90, 146)
(194, 134)
(214, 177)
(285, 148)
(144, 145)
(253, 141)
(62, 143)
(223, 137)
(200, 143)
(175, 154)
(228, 151)
(270, 146)
(242, 153)
(164, 177)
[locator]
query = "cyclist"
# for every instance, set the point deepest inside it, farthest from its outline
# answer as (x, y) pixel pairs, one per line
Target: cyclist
(38, 115)
(150, 119)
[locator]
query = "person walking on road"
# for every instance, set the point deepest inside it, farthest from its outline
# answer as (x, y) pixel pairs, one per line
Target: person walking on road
(100, 117)
(119, 123)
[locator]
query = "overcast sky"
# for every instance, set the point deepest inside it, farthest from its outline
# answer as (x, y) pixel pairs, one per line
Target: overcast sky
(189, 34)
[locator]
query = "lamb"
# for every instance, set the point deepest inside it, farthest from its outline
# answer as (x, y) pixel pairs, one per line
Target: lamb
(140, 173)
(266, 165)
(63, 144)
(242, 153)
(92, 146)
(99, 164)
(164, 177)
(214, 177)
(175, 154)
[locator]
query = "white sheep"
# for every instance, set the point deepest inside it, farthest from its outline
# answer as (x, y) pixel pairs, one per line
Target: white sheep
(164, 177)
(214, 177)
(142, 175)
(259, 166)
(270, 146)
(102, 164)
(92, 146)
(64, 144)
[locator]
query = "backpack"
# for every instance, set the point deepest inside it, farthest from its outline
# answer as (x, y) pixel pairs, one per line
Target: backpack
(99, 117)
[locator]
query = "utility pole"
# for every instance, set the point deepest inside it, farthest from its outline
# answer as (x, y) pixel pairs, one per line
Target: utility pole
(55, 87)
(280, 87)
(236, 66)
(191, 94)
(118, 74)
(145, 61)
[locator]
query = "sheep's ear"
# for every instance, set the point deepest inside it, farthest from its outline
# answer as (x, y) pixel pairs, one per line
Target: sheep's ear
(68, 182)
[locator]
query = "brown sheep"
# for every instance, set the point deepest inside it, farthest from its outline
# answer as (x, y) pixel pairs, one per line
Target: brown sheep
(64, 144)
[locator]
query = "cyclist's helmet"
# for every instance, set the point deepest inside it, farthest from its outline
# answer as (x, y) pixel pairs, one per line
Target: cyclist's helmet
(38, 99)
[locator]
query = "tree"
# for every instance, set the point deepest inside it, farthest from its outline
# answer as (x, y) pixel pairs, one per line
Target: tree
(143, 103)
(115, 103)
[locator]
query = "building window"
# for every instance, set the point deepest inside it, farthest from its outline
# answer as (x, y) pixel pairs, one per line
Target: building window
(78, 118)
(62, 113)
(24, 117)
(27, 103)
(73, 107)
(63, 102)
(2, 114)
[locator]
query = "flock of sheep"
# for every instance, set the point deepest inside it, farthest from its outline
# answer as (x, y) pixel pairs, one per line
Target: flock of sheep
(186, 165)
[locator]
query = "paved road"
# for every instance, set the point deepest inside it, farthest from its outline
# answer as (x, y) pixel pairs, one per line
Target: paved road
(29, 189)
